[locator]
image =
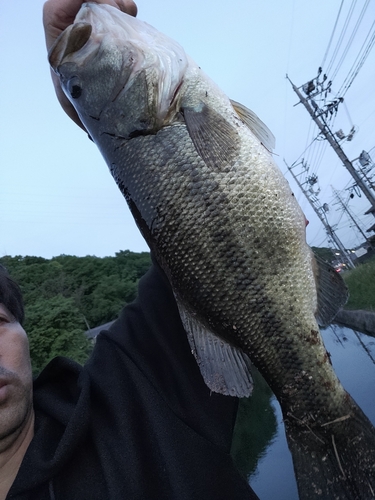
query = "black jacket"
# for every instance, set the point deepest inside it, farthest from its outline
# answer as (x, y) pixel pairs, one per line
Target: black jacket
(136, 422)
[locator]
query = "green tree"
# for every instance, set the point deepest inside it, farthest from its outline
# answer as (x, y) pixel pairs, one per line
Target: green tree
(55, 327)
(256, 426)
(66, 293)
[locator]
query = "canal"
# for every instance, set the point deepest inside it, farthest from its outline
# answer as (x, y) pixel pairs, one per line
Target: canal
(269, 467)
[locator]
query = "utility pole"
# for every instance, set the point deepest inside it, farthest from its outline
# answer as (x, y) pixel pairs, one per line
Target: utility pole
(319, 209)
(315, 115)
(348, 212)
(367, 168)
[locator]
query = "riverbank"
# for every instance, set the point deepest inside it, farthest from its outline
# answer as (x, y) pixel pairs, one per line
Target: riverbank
(363, 321)
(359, 312)
(361, 284)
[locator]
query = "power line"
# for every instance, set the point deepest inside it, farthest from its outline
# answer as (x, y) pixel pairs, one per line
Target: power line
(350, 41)
(341, 36)
(362, 55)
(332, 35)
(325, 130)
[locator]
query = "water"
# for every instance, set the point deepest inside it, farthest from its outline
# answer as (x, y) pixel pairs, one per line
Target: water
(270, 468)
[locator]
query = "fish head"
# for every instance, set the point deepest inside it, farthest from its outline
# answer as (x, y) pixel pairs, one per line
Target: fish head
(120, 74)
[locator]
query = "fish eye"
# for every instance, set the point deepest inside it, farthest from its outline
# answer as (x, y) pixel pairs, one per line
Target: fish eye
(74, 88)
(76, 91)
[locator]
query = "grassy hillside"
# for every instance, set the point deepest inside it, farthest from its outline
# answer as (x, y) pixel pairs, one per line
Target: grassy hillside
(361, 284)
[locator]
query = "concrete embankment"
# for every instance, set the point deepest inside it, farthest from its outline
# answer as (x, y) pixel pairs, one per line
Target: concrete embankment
(364, 321)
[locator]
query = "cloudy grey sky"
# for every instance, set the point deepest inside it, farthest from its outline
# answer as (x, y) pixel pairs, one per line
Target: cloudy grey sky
(56, 194)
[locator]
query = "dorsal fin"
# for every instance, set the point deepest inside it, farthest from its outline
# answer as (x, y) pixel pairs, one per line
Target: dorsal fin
(255, 124)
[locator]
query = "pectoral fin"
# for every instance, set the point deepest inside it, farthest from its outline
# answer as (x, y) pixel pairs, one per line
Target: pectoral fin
(255, 124)
(214, 138)
(225, 369)
(331, 291)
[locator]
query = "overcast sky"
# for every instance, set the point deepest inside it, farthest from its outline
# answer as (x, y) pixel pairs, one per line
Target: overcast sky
(56, 194)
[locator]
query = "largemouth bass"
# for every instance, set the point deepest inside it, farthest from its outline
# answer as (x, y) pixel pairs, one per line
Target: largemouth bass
(199, 178)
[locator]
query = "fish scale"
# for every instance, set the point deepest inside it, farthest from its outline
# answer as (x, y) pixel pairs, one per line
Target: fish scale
(221, 220)
(180, 235)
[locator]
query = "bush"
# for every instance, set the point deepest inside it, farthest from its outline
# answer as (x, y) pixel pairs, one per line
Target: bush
(361, 284)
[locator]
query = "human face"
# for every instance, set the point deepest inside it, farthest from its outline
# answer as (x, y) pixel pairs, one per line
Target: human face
(15, 379)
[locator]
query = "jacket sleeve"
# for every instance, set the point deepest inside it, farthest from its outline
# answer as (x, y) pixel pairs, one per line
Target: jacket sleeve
(153, 418)
(151, 333)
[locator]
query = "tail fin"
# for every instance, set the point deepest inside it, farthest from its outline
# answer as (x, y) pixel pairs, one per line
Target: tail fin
(335, 460)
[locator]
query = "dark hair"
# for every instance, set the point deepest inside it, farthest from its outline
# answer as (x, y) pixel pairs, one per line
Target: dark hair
(11, 296)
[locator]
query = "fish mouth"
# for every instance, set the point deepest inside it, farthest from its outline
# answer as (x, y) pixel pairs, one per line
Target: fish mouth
(99, 26)
(71, 40)
(88, 19)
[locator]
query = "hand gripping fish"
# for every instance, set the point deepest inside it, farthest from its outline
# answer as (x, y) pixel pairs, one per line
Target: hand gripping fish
(197, 173)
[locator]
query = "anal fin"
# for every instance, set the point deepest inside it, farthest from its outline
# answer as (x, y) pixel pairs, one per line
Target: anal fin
(225, 368)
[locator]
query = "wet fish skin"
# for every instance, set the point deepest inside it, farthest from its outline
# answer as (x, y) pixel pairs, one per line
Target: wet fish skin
(226, 228)
(221, 213)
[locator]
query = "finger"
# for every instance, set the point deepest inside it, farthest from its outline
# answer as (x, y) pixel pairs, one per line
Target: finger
(128, 6)
(59, 14)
